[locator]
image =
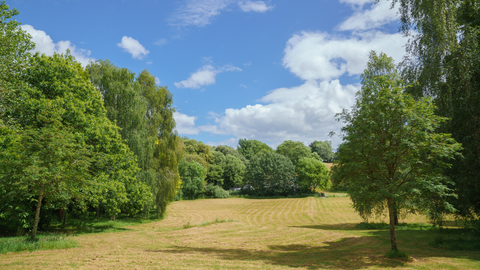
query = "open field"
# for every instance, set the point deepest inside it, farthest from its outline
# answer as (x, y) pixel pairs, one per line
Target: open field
(305, 233)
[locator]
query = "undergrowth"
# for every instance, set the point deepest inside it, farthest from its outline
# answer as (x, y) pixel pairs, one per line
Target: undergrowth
(43, 242)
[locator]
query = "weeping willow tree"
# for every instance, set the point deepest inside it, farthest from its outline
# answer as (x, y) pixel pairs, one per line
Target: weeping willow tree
(144, 112)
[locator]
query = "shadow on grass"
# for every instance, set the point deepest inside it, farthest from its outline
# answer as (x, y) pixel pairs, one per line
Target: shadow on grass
(359, 252)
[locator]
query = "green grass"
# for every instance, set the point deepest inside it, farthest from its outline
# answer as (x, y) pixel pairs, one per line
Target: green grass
(457, 239)
(43, 242)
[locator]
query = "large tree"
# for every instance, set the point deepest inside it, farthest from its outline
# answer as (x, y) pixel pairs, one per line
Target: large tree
(144, 113)
(323, 150)
(444, 58)
(249, 148)
(295, 151)
(270, 174)
(391, 152)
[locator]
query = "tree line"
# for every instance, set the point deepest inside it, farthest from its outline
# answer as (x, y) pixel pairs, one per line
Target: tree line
(254, 168)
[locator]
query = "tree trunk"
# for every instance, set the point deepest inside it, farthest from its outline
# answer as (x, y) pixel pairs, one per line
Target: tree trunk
(391, 214)
(37, 215)
(61, 212)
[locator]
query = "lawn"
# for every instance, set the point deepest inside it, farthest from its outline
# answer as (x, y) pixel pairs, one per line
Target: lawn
(241, 233)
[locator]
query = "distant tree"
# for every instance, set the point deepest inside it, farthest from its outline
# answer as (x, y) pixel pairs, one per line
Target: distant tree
(323, 149)
(233, 172)
(312, 174)
(216, 169)
(391, 153)
(270, 174)
(193, 179)
(249, 148)
(226, 150)
(193, 147)
(294, 151)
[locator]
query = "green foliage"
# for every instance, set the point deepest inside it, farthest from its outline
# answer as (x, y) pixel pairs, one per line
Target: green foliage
(397, 254)
(216, 169)
(43, 242)
(200, 149)
(193, 179)
(312, 174)
(227, 150)
(391, 157)
(323, 150)
(270, 174)
(144, 113)
(233, 172)
(294, 151)
(213, 191)
(249, 148)
(444, 58)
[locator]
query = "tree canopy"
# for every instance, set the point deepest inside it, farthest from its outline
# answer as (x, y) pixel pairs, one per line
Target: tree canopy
(444, 58)
(391, 152)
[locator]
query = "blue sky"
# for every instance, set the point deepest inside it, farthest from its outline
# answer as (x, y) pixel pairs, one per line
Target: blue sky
(271, 70)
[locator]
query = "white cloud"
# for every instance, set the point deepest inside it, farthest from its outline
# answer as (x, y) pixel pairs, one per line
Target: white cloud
(185, 124)
(380, 14)
(255, 6)
(305, 113)
(198, 12)
(133, 47)
(320, 56)
(44, 44)
(157, 81)
(204, 76)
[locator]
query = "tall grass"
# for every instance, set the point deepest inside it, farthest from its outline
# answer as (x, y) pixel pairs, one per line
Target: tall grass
(43, 242)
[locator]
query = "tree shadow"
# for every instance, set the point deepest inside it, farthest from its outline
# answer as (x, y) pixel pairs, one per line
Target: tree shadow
(348, 253)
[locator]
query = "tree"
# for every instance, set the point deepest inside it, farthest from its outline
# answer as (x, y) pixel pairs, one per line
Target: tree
(193, 175)
(323, 150)
(233, 172)
(249, 148)
(227, 150)
(312, 174)
(270, 174)
(144, 113)
(294, 151)
(444, 58)
(44, 163)
(216, 169)
(391, 153)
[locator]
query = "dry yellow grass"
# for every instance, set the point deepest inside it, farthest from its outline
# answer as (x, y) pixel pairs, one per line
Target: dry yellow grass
(306, 233)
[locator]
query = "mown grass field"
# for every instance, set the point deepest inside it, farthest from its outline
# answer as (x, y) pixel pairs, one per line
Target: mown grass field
(304, 233)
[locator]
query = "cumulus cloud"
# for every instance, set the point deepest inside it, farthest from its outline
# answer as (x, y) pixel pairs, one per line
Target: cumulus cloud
(303, 113)
(133, 47)
(198, 12)
(185, 124)
(321, 56)
(255, 6)
(44, 44)
(380, 14)
(204, 76)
